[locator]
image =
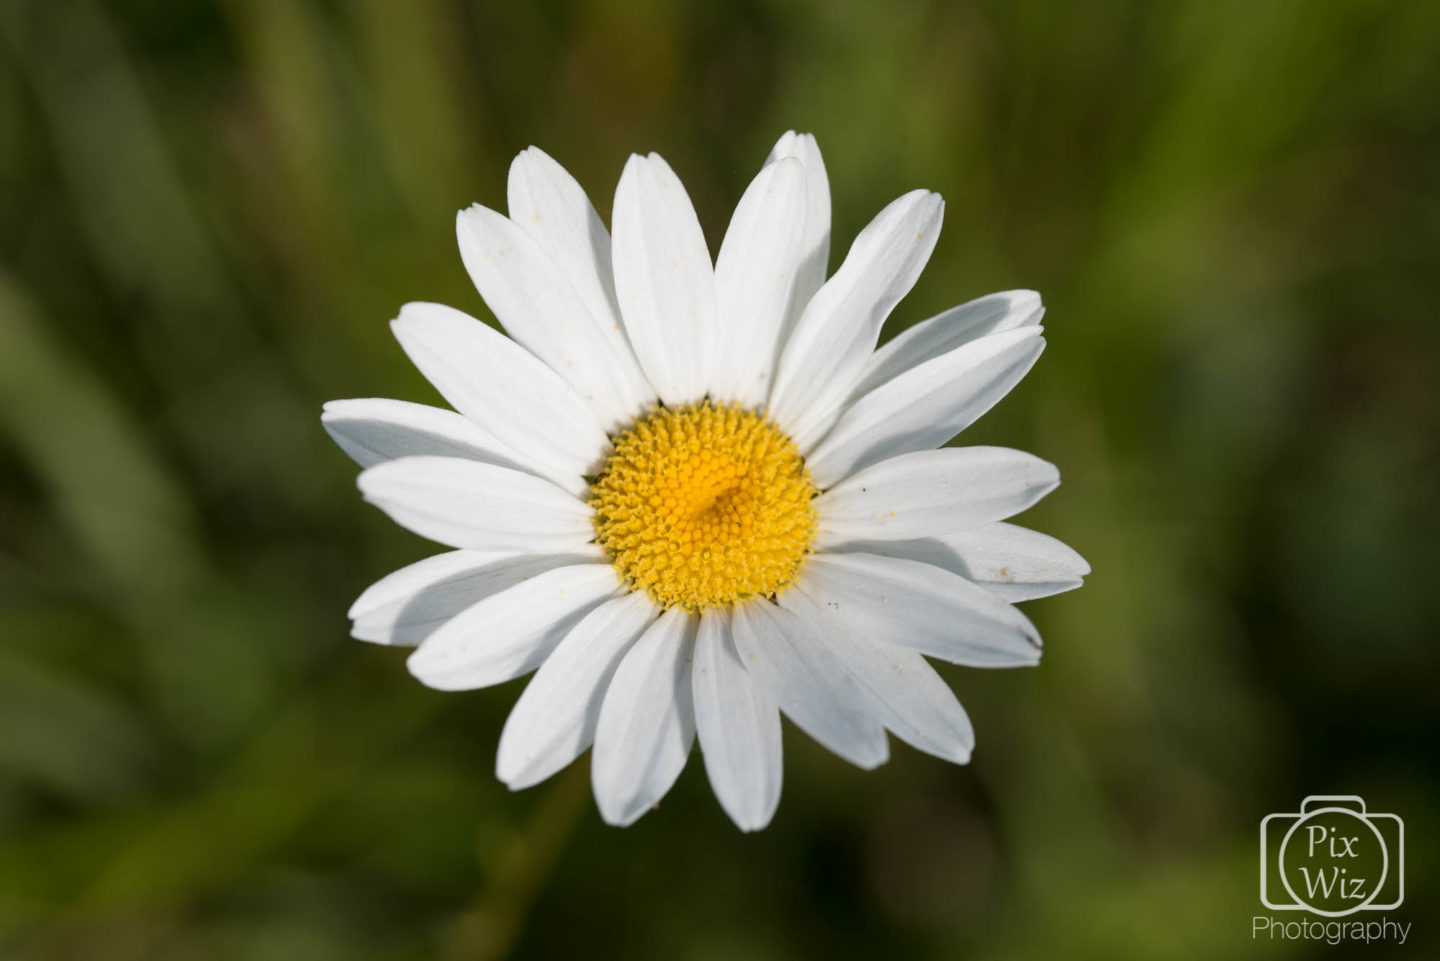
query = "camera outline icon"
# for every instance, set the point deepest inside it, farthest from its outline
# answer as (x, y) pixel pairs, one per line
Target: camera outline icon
(1312, 807)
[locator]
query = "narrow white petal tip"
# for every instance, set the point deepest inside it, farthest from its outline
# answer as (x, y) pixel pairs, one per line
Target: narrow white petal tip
(872, 761)
(954, 753)
(751, 823)
(521, 778)
(958, 755)
(530, 153)
(425, 673)
(1022, 299)
(359, 633)
(625, 813)
(786, 143)
(516, 780)
(411, 314)
(924, 195)
(1077, 565)
(621, 818)
(469, 223)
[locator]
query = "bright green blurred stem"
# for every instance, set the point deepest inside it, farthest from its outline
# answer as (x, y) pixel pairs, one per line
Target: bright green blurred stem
(518, 867)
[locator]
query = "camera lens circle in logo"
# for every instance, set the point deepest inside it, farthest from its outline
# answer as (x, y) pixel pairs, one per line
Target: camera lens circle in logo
(1333, 861)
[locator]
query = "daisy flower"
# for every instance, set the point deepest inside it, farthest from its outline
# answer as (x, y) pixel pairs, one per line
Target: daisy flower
(691, 495)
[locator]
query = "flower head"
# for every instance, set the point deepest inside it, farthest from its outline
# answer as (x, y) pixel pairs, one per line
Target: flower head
(694, 495)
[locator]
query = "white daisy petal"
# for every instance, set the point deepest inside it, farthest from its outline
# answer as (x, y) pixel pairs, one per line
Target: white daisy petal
(465, 503)
(398, 587)
(915, 605)
(946, 331)
(508, 634)
(372, 430)
(647, 721)
(408, 605)
(912, 699)
(502, 387)
(664, 280)
(789, 657)
(555, 718)
(925, 406)
(534, 301)
(826, 353)
(754, 279)
(739, 728)
(1014, 563)
(552, 207)
(932, 492)
(811, 275)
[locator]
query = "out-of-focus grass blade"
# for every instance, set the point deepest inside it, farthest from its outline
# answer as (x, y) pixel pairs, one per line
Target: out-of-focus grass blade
(135, 524)
(133, 519)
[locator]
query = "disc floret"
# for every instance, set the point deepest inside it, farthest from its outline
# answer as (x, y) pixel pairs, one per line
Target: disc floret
(704, 505)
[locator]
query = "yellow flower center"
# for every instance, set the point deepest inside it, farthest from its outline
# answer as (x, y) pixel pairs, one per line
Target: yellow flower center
(704, 505)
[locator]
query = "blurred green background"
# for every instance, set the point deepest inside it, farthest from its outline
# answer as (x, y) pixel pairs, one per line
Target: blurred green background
(208, 212)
